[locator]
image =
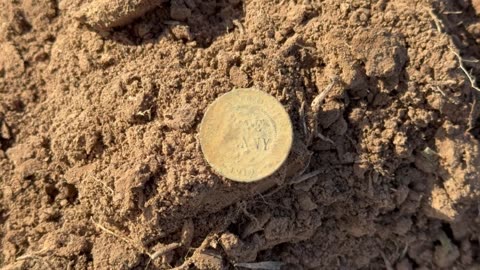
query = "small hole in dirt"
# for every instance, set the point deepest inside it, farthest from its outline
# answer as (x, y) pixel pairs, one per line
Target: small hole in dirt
(475, 249)
(5, 144)
(476, 130)
(30, 177)
(54, 218)
(89, 255)
(52, 192)
(415, 265)
(150, 186)
(447, 229)
(71, 192)
(3, 216)
(449, 232)
(234, 228)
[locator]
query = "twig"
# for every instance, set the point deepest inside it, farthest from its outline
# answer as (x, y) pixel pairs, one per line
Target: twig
(186, 239)
(243, 207)
(460, 59)
(437, 88)
(206, 242)
(152, 256)
(437, 21)
(302, 117)
(388, 264)
(117, 235)
(452, 12)
(35, 253)
(238, 24)
(404, 252)
(471, 115)
(471, 60)
(307, 176)
(443, 83)
(315, 107)
(35, 256)
(470, 77)
(462, 67)
(473, 84)
(325, 138)
(268, 265)
(106, 187)
(164, 250)
(319, 98)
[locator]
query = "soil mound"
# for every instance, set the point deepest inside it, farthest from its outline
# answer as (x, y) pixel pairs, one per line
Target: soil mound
(100, 162)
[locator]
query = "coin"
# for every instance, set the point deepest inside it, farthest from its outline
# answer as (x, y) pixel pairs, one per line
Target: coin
(246, 135)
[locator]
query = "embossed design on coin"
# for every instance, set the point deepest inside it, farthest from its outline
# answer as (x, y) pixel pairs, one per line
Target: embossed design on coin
(246, 135)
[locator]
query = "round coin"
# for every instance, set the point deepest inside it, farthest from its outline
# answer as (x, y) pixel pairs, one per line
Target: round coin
(246, 135)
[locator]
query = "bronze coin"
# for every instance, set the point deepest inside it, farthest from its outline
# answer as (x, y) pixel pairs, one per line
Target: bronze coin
(246, 135)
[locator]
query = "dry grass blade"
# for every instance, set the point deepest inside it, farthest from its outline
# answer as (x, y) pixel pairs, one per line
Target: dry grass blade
(268, 265)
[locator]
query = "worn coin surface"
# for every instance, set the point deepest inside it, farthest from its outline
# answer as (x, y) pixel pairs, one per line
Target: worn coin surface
(246, 135)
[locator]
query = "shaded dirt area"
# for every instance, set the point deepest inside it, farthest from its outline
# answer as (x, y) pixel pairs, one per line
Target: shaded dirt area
(100, 164)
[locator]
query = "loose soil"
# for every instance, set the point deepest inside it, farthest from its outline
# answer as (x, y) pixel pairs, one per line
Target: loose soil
(100, 163)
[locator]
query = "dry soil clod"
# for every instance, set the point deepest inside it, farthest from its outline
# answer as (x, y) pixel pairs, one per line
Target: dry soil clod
(105, 14)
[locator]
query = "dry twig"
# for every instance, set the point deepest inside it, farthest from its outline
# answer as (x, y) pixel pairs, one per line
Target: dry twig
(106, 188)
(470, 77)
(37, 255)
(388, 264)
(205, 244)
(238, 24)
(268, 265)
(307, 176)
(315, 107)
(161, 251)
(119, 236)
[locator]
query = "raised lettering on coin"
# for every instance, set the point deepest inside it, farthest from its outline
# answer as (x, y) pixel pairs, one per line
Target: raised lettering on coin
(246, 135)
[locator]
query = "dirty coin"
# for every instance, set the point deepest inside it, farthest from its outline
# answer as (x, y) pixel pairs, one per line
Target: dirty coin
(246, 135)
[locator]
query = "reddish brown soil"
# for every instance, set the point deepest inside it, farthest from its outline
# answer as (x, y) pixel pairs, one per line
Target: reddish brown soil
(100, 166)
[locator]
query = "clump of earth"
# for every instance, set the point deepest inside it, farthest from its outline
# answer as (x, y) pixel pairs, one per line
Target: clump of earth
(100, 161)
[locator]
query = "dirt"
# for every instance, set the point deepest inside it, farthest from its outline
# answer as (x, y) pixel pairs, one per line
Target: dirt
(100, 109)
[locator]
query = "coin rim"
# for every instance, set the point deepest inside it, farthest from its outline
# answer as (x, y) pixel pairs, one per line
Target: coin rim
(290, 134)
